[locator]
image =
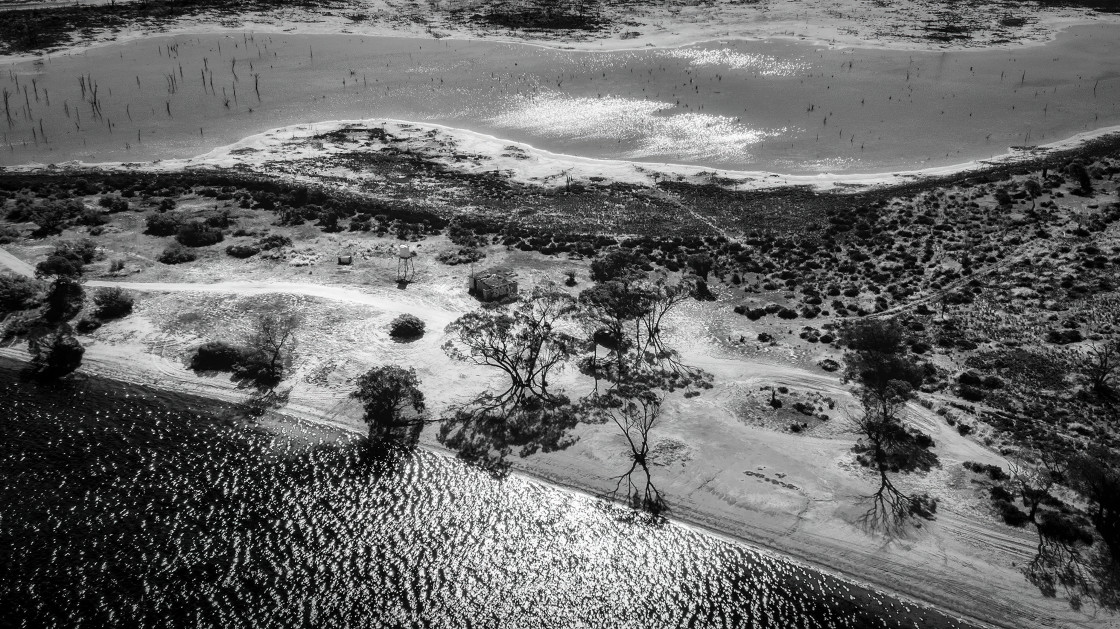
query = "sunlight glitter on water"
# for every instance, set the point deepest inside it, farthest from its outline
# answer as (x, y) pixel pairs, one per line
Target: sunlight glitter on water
(763, 65)
(125, 513)
(644, 128)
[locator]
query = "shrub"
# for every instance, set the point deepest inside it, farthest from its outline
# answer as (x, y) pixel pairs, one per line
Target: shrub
(8, 234)
(216, 356)
(64, 299)
(55, 355)
(829, 365)
(923, 505)
(1063, 337)
(273, 241)
(162, 224)
(86, 325)
(964, 429)
(196, 234)
(998, 492)
(116, 266)
(113, 203)
(92, 218)
(970, 393)
(112, 303)
(176, 254)
(1012, 515)
(406, 326)
(786, 313)
(1058, 527)
(242, 251)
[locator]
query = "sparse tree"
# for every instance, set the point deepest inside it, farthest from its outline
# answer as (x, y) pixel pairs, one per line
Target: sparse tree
(880, 357)
(526, 342)
(268, 350)
(886, 446)
(634, 410)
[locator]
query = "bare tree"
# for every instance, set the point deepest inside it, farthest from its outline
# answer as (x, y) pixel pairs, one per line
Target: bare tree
(268, 350)
(1101, 364)
(635, 412)
(887, 447)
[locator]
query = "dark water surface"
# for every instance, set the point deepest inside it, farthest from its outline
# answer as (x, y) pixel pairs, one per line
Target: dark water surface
(120, 509)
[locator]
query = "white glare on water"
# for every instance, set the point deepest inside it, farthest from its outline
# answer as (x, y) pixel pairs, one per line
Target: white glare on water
(647, 128)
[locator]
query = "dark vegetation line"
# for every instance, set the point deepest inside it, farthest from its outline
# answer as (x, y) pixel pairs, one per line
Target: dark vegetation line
(42, 29)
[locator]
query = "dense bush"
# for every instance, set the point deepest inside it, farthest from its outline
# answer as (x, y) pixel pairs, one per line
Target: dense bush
(406, 326)
(1012, 515)
(18, 293)
(112, 303)
(1061, 528)
(216, 356)
(1064, 337)
(162, 224)
(197, 234)
(64, 299)
(274, 241)
(86, 325)
(242, 251)
(970, 393)
(176, 254)
(113, 203)
(8, 234)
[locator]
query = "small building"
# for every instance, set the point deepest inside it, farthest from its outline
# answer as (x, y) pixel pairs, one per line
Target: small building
(492, 284)
(345, 260)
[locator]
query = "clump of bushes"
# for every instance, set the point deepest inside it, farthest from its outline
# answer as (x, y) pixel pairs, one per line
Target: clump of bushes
(113, 203)
(8, 234)
(67, 259)
(112, 303)
(464, 255)
(18, 293)
(406, 327)
(198, 234)
(176, 254)
(994, 472)
(273, 241)
(162, 224)
(1064, 337)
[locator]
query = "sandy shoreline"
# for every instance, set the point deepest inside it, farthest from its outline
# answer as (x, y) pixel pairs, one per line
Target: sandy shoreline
(540, 167)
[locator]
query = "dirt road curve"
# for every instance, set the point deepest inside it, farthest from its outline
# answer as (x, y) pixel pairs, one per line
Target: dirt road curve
(15, 264)
(385, 302)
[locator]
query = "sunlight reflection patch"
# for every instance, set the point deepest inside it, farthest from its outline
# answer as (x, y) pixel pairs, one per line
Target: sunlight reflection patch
(642, 128)
(763, 65)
